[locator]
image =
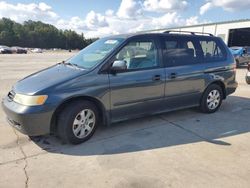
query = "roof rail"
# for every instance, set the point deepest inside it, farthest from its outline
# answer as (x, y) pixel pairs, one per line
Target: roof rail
(189, 32)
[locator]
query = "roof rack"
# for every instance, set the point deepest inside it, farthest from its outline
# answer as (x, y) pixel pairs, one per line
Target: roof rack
(189, 32)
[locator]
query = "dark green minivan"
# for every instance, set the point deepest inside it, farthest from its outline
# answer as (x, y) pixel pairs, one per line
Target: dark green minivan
(122, 77)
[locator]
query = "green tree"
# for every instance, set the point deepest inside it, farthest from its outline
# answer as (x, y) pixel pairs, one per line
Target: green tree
(36, 34)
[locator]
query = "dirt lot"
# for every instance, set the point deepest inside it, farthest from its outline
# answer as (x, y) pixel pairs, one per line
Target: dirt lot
(178, 149)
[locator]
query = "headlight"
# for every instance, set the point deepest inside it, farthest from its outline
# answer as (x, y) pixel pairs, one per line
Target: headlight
(29, 100)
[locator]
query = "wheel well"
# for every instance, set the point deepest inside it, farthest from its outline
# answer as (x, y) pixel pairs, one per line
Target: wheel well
(97, 103)
(222, 85)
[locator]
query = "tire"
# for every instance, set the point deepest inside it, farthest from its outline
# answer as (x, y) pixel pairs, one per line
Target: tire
(214, 91)
(73, 125)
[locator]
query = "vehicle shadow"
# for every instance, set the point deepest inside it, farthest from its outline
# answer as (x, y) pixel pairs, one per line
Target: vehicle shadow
(160, 131)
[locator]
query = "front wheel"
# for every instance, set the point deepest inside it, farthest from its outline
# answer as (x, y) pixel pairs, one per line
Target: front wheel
(77, 122)
(211, 99)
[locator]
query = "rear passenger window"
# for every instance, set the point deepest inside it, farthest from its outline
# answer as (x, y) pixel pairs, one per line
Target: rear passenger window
(180, 51)
(171, 44)
(212, 51)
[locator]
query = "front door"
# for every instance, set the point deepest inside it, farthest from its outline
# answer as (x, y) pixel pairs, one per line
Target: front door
(139, 89)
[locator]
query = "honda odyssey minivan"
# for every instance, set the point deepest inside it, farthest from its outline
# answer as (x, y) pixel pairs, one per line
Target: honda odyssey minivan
(122, 77)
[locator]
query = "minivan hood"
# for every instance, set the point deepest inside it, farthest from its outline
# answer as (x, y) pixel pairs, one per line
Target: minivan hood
(46, 78)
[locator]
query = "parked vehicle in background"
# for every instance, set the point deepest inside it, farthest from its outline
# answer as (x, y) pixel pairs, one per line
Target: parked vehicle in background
(248, 74)
(241, 55)
(37, 50)
(119, 78)
(5, 50)
(18, 50)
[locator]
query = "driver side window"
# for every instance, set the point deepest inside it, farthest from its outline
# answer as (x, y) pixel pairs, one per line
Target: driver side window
(139, 55)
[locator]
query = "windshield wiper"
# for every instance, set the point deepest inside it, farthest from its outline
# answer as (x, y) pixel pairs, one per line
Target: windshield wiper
(71, 64)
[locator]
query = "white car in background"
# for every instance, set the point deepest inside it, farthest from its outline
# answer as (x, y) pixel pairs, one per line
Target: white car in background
(37, 50)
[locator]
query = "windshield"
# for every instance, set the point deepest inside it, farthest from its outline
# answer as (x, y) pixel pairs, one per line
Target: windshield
(95, 53)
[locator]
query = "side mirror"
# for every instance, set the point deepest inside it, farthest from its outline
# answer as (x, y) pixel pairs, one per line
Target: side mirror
(119, 65)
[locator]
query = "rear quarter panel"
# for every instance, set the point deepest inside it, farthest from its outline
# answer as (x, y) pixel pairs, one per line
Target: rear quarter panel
(223, 71)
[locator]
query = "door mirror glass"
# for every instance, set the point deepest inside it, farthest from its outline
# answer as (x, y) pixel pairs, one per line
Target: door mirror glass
(119, 65)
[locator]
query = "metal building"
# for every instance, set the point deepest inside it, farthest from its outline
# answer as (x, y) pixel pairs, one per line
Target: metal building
(234, 33)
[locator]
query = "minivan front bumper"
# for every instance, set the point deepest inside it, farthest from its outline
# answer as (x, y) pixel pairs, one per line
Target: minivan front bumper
(30, 120)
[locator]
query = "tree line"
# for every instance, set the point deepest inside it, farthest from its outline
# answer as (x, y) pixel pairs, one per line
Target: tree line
(36, 34)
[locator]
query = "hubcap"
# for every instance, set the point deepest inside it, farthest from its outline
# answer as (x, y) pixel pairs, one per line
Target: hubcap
(213, 99)
(84, 123)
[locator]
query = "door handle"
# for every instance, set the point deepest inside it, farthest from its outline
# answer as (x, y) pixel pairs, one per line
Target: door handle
(156, 78)
(172, 75)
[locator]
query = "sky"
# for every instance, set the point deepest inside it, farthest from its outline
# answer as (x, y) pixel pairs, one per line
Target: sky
(97, 18)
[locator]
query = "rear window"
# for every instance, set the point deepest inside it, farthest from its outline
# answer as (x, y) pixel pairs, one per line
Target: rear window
(180, 51)
(212, 50)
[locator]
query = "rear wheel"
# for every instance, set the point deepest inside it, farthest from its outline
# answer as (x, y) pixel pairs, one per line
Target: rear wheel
(77, 122)
(211, 99)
